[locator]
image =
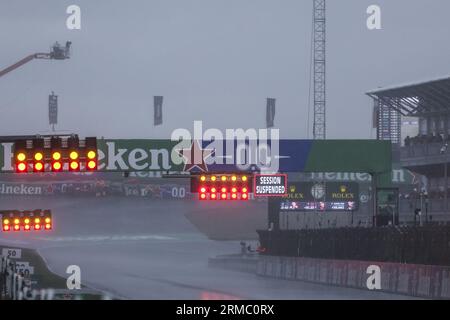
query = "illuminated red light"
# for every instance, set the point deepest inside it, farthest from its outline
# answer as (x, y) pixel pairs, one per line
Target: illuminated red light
(37, 227)
(48, 226)
(38, 166)
(92, 165)
(57, 166)
(16, 227)
(6, 228)
(223, 187)
(74, 165)
(21, 167)
(27, 227)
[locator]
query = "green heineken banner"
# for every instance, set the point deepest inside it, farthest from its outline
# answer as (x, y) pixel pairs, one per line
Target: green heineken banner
(233, 155)
(119, 155)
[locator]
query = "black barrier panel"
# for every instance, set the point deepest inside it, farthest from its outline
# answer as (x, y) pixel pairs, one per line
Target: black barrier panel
(429, 245)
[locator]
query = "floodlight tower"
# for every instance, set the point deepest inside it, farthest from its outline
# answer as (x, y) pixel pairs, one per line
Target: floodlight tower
(319, 61)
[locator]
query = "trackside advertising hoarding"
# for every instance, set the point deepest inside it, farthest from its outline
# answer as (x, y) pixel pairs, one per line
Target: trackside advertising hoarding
(317, 196)
(96, 188)
(268, 156)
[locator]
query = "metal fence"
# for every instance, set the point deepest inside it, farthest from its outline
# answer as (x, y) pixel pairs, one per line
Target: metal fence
(429, 205)
(429, 245)
(421, 150)
(15, 286)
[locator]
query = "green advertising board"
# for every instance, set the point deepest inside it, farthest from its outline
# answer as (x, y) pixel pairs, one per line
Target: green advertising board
(150, 155)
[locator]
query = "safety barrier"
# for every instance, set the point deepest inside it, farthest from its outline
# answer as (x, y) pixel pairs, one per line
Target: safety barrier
(431, 282)
(428, 245)
(234, 262)
(16, 286)
(94, 188)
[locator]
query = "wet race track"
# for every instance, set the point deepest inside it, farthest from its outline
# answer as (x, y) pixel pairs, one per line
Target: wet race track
(147, 249)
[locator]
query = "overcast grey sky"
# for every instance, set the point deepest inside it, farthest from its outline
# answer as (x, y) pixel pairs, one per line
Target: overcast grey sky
(212, 60)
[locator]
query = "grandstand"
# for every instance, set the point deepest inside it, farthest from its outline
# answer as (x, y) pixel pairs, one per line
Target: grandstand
(425, 153)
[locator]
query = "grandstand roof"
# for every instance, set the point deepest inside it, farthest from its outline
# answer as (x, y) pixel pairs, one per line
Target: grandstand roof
(416, 99)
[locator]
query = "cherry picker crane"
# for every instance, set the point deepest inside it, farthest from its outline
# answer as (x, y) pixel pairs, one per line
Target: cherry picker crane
(57, 52)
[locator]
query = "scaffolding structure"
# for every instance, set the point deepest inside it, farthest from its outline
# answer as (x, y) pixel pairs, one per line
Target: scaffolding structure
(319, 45)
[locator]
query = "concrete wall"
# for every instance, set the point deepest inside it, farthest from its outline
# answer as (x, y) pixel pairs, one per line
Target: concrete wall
(431, 282)
(235, 262)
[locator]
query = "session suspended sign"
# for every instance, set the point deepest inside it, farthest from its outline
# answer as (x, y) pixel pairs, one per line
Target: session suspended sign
(270, 185)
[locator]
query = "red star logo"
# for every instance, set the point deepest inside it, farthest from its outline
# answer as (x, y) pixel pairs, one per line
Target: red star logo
(195, 156)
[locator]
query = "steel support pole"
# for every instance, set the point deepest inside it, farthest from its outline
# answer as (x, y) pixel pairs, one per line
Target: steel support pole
(445, 187)
(374, 200)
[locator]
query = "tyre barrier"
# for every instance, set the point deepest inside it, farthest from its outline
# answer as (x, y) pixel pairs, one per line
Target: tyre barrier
(432, 282)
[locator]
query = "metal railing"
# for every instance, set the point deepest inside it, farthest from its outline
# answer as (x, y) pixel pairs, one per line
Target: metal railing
(15, 286)
(428, 205)
(421, 150)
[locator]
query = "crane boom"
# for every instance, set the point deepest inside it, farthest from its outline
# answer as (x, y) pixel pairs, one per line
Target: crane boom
(24, 61)
(57, 53)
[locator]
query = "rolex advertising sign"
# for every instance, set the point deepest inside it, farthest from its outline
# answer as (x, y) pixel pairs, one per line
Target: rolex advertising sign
(329, 196)
(341, 192)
